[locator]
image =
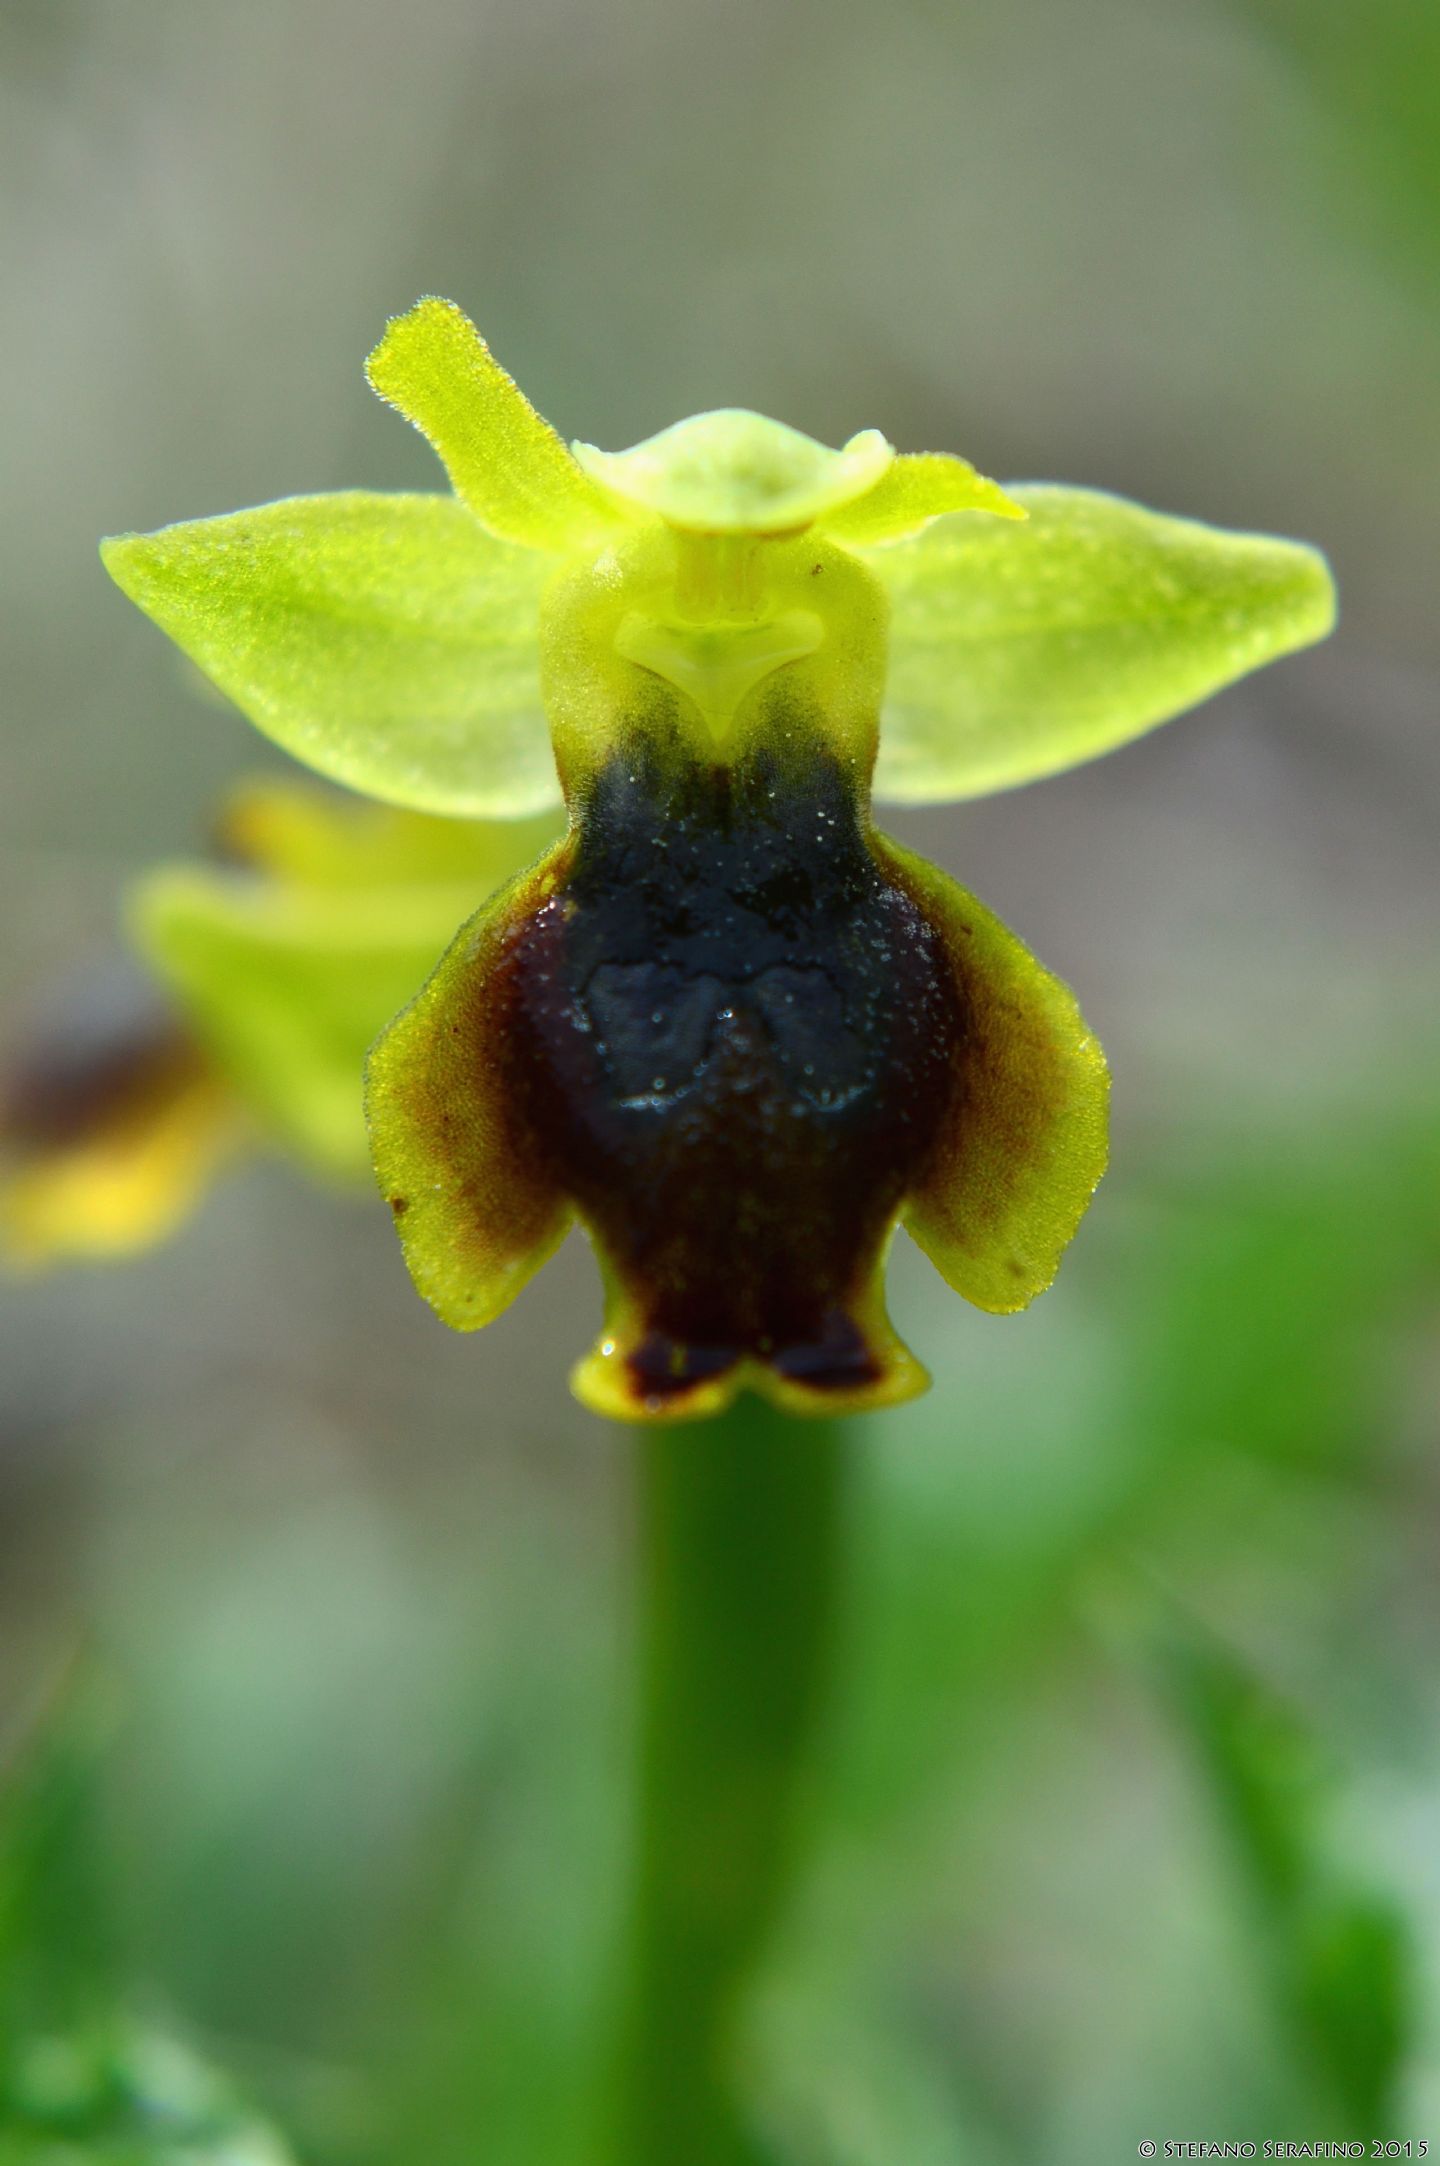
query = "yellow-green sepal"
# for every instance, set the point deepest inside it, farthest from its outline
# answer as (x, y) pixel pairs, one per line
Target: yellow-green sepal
(475, 1207)
(1019, 649)
(505, 463)
(1026, 1138)
(388, 642)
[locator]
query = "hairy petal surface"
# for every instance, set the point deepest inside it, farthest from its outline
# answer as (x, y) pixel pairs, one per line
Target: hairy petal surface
(506, 463)
(386, 641)
(919, 487)
(1018, 650)
(1026, 1136)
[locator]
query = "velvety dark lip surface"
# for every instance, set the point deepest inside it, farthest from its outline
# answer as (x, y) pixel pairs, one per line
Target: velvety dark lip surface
(735, 1040)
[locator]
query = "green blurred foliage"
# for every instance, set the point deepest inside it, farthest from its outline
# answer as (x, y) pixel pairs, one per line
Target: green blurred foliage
(1336, 1951)
(1073, 1802)
(80, 2078)
(1375, 76)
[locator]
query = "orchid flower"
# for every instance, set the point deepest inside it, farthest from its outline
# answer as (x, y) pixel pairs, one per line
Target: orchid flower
(721, 1021)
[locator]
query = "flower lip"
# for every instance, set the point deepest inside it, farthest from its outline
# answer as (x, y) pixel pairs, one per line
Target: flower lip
(735, 472)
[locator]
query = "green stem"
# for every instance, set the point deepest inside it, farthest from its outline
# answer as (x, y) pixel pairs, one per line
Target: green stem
(739, 1543)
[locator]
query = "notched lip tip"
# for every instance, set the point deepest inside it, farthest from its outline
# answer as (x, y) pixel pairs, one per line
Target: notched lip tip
(604, 1383)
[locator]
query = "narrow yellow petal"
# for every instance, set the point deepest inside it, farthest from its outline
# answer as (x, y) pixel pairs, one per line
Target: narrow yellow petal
(919, 487)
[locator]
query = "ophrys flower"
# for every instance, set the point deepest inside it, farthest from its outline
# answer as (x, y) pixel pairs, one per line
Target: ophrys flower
(724, 1022)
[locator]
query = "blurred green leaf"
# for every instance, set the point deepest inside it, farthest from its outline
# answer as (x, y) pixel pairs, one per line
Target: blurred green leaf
(79, 2080)
(840, 2085)
(121, 2095)
(1337, 1949)
(1286, 1267)
(1356, 1983)
(388, 642)
(57, 1954)
(1020, 649)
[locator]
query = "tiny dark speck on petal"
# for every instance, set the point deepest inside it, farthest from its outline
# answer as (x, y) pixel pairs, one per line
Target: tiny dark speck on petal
(399, 1205)
(816, 570)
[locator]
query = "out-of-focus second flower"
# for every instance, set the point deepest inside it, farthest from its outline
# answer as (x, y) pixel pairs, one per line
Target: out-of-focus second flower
(113, 1122)
(240, 1019)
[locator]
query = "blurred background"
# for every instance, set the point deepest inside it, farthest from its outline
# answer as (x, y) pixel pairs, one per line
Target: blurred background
(1128, 1822)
